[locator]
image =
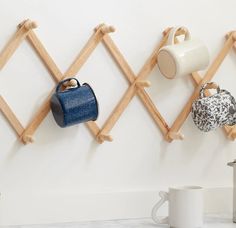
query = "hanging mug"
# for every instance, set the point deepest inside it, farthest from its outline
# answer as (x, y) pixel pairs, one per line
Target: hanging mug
(214, 111)
(180, 59)
(74, 105)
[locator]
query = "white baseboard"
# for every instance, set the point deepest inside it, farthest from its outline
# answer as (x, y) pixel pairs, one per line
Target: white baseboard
(59, 208)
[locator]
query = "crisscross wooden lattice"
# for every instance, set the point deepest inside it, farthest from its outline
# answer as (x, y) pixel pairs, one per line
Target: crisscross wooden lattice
(198, 80)
(137, 83)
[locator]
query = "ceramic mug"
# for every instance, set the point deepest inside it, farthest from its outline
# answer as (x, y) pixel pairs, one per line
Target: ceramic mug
(217, 110)
(74, 105)
(180, 59)
(185, 207)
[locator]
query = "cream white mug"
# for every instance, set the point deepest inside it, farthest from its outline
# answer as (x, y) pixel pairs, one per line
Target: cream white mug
(185, 207)
(180, 59)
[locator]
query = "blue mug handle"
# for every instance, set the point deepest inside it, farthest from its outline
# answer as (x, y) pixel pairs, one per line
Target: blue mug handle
(66, 80)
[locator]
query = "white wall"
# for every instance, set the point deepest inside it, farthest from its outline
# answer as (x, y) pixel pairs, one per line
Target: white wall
(65, 172)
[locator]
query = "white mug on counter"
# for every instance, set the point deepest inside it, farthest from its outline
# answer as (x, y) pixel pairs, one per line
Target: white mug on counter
(175, 60)
(185, 207)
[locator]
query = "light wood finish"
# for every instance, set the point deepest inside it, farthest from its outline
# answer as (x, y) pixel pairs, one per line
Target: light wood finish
(10, 116)
(71, 72)
(232, 133)
(14, 43)
(30, 24)
(44, 56)
(208, 76)
(107, 29)
(174, 135)
(142, 83)
(234, 35)
(227, 36)
(211, 85)
(101, 138)
(137, 85)
(119, 109)
(25, 31)
(197, 79)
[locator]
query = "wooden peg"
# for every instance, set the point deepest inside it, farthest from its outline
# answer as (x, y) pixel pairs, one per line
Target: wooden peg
(175, 136)
(234, 35)
(104, 137)
(28, 24)
(211, 85)
(178, 33)
(231, 134)
(228, 34)
(104, 28)
(107, 29)
(143, 83)
(73, 82)
(26, 139)
(70, 83)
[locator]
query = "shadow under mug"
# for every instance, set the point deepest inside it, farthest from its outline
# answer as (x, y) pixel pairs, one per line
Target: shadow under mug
(74, 105)
(185, 207)
(175, 60)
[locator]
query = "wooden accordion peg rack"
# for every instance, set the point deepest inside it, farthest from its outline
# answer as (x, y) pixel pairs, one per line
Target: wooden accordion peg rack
(137, 83)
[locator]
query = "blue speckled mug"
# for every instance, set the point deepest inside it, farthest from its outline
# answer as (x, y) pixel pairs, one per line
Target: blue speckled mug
(74, 105)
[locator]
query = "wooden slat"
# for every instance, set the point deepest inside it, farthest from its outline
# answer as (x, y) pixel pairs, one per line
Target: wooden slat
(12, 45)
(119, 109)
(44, 56)
(84, 54)
(132, 90)
(10, 116)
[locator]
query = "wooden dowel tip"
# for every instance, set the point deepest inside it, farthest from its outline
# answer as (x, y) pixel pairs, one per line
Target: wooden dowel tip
(28, 24)
(107, 29)
(143, 83)
(234, 35)
(72, 82)
(27, 139)
(227, 35)
(104, 137)
(232, 135)
(175, 136)
(99, 26)
(211, 85)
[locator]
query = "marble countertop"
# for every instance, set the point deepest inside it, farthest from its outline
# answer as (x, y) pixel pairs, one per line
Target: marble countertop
(130, 223)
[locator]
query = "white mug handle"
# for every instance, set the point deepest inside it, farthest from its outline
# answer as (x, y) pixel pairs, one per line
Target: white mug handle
(164, 197)
(171, 37)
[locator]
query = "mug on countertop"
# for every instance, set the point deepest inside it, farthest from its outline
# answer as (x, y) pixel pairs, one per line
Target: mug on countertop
(175, 60)
(185, 207)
